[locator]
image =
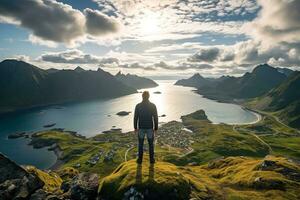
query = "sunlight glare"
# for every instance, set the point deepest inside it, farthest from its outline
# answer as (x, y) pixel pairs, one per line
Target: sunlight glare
(150, 24)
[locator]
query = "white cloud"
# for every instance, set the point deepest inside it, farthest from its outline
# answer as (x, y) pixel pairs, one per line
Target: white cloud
(73, 56)
(278, 21)
(54, 21)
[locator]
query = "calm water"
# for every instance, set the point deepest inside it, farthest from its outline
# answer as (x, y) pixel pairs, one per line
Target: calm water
(90, 118)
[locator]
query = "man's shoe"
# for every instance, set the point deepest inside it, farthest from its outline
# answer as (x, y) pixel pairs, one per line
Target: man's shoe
(139, 161)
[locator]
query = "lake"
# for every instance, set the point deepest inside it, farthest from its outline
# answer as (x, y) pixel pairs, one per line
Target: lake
(93, 117)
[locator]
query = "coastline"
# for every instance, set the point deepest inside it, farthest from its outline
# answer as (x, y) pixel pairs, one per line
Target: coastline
(58, 153)
(233, 101)
(258, 115)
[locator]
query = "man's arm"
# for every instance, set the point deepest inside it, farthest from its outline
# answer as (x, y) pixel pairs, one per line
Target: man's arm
(155, 118)
(135, 119)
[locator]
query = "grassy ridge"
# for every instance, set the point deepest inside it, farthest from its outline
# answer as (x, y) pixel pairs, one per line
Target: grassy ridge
(230, 178)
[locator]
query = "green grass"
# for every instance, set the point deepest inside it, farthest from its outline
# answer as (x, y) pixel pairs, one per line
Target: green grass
(228, 178)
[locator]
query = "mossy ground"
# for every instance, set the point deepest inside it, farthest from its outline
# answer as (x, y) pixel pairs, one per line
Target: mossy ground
(228, 178)
(51, 179)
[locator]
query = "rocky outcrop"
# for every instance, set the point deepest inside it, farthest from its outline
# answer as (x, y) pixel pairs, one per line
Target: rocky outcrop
(84, 186)
(16, 182)
(28, 182)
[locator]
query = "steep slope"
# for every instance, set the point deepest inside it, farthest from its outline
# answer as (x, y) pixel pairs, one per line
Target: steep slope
(284, 100)
(20, 83)
(262, 79)
(135, 81)
(23, 85)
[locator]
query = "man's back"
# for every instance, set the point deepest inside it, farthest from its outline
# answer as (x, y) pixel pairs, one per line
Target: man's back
(145, 116)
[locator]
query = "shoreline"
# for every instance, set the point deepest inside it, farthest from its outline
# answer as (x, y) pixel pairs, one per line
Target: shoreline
(258, 116)
(58, 153)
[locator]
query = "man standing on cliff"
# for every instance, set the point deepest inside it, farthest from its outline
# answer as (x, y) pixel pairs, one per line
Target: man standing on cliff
(145, 123)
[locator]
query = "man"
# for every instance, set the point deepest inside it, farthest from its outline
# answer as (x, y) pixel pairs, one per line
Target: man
(145, 123)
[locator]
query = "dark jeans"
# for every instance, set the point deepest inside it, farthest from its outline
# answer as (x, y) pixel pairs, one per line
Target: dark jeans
(150, 138)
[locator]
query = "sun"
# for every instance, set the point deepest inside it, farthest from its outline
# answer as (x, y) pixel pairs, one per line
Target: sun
(150, 24)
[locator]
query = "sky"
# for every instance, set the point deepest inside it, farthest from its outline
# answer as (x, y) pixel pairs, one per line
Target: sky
(173, 38)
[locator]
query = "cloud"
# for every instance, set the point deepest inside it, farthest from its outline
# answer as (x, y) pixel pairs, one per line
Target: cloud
(178, 19)
(55, 21)
(74, 56)
(24, 58)
(99, 24)
(137, 66)
(278, 21)
(205, 54)
(242, 56)
(182, 66)
(109, 61)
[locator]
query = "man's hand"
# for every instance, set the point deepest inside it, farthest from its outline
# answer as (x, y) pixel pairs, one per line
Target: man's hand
(136, 131)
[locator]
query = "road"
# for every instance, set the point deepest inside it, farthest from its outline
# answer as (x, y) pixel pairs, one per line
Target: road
(257, 137)
(276, 119)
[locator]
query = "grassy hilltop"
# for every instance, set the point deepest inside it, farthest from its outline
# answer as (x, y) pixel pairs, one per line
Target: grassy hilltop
(230, 178)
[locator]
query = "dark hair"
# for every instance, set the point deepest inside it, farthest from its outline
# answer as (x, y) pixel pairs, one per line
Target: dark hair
(145, 95)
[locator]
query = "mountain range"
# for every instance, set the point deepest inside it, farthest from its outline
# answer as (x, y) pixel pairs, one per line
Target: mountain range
(251, 84)
(135, 81)
(265, 88)
(23, 85)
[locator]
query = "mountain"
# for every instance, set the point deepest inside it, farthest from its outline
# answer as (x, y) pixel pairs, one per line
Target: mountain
(195, 81)
(258, 82)
(135, 81)
(252, 84)
(284, 100)
(23, 85)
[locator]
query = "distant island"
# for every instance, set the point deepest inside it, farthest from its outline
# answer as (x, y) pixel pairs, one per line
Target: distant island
(23, 85)
(135, 81)
(265, 88)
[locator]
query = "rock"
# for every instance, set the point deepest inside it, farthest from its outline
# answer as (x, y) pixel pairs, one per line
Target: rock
(39, 195)
(65, 186)
(192, 164)
(163, 115)
(16, 182)
(157, 92)
(84, 186)
(49, 125)
(16, 135)
(133, 194)
(261, 183)
(77, 165)
(123, 113)
(267, 164)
